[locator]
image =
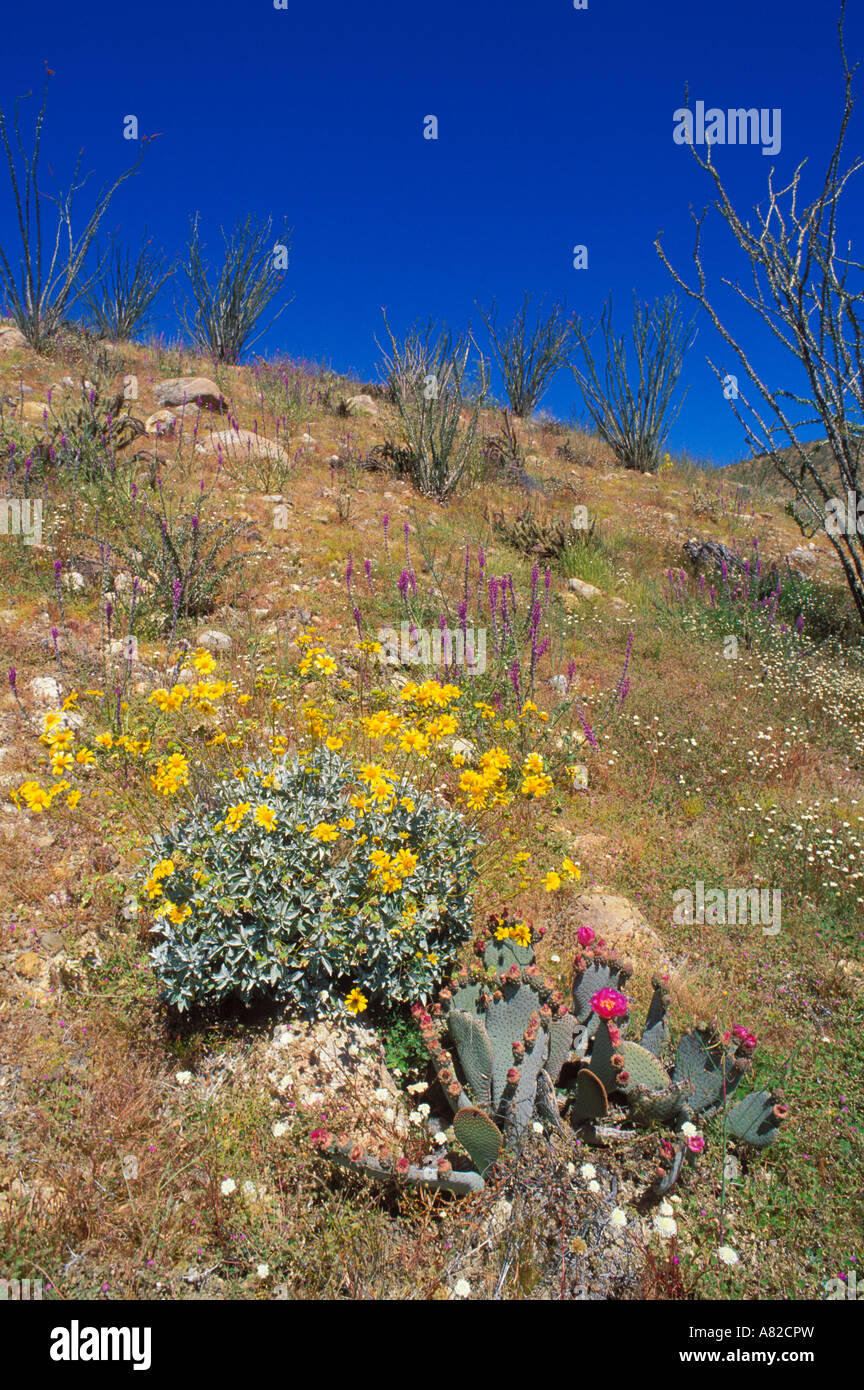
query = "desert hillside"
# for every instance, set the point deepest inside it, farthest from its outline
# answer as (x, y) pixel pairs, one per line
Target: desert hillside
(247, 838)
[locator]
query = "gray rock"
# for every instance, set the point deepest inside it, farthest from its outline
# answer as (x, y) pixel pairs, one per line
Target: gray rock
(179, 389)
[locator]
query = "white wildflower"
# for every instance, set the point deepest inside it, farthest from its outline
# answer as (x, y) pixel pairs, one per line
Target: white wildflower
(727, 1255)
(588, 1171)
(617, 1219)
(228, 1186)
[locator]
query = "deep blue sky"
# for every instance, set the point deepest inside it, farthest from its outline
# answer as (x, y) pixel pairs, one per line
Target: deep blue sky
(555, 128)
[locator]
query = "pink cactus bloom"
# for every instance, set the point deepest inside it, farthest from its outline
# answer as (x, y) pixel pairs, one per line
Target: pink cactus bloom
(696, 1143)
(609, 1003)
(585, 936)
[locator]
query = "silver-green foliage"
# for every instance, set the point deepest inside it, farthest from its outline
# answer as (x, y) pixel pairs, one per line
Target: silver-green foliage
(280, 915)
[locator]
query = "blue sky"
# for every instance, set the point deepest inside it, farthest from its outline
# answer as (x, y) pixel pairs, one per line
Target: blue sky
(555, 129)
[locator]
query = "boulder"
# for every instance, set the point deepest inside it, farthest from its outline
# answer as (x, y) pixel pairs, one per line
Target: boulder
(213, 641)
(160, 422)
(246, 443)
(11, 339)
(179, 389)
(802, 559)
(578, 586)
(360, 405)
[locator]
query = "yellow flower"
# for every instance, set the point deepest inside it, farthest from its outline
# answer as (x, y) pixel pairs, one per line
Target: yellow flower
(264, 817)
(235, 815)
(404, 863)
(72, 800)
(570, 869)
(104, 740)
(407, 803)
(85, 756)
(356, 1002)
(324, 832)
(71, 700)
(333, 743)
(203, 662)
(552, 881)
(346, 823)
(243, 699)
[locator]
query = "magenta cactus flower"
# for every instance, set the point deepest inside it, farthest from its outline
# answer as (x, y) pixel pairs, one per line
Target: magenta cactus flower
(609, 1003)
(585, 936)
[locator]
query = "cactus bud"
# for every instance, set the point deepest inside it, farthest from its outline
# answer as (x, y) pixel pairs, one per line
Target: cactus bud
(518, 1049)
(444, 1166)
(513, 1076)
(356, 1154)
(780, 1112)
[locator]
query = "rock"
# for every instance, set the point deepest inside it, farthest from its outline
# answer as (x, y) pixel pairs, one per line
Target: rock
(160, 422)
(802, 559)
(27, 965)
(35, 412)
(248, 443)
(578, 586)
(11, 339)
(213, 641)
(73, 579)
(45, 690)
(52, 942)
(179, 389)
(621, 925)
(362, 405)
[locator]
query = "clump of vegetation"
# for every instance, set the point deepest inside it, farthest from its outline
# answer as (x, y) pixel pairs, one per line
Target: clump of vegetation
(312, 884)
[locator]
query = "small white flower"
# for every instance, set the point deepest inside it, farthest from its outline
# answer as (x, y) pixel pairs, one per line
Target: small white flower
(617, 1219)
(228, 1186)
(183, 1078)
(593, 1185)
(556, 960)
(415, 1117)
(571, 1169)
(440, 1137)
(390, 1115)
(727, 1255)
(263, 1271)
(424, 1109)
(250, 1190)
(537, 1127)
(278, 1129)
(588, 1171)
(381, 1094)
(689, 1130)
(666, 1226)
(666, 1209)
(461, 1288)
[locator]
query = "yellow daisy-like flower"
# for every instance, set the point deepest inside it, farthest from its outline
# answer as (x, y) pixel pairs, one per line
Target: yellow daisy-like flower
(406, 803)
(333, 743)
(570, 869)
(345, 823)
(324, 832)
(72, 800)
(552, 881)
(236, 815)
(356, 1002)
(104, 740)
(243, 699)
(203, 662)
(85, 756)
(264, 817)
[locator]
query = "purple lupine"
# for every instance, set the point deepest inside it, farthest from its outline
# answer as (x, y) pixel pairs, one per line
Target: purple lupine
(623, 682)
(535, 625)
(386, 524)
(571, 671)
(357, 621)
(367, 570)
(513, 673)
(589, 732)
(177, 592)
(13, 677)
(54, 635)
(109, 613)
(406, 531)
(799, 623)
(349, 570)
